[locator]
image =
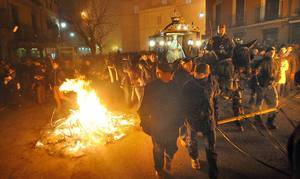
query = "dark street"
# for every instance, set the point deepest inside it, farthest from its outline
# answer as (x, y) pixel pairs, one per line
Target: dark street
(150, 89)
(131, 157)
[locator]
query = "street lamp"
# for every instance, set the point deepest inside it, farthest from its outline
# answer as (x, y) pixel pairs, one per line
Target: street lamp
(190, 42)
(151, 43)
(15, 29)
(162, 43)
(84, 15)
(198, 43)
(201, 14)
(63, 25)
(72, 34)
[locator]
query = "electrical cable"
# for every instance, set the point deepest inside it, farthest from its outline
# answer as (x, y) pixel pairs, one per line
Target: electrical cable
(276, 145)
(227, 138)
(287, 118)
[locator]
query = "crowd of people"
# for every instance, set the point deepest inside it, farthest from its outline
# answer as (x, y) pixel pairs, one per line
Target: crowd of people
(183, 99)
(178, 99)
(38, 80)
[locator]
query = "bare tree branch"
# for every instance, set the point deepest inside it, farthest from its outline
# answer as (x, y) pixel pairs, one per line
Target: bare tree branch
(93, 21)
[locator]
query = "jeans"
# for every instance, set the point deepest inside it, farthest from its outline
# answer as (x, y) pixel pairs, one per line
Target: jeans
(163, 148)
(270, 96)
(209, 134)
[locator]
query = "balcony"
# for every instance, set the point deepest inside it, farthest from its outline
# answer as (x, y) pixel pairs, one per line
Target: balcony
(3, 18)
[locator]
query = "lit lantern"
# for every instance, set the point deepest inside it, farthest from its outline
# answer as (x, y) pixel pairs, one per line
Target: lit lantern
(190, 42)
(162, 43)
(152, 43)
(198, 43)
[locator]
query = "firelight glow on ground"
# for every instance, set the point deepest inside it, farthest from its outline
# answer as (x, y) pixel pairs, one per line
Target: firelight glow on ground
(86, 127)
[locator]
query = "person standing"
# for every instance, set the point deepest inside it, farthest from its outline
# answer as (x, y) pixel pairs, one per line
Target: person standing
(11, 88)
(40, 82)
(161, 116)
(221, 44)
(184, 72)
(56, 78)
(283, 68)
(147, 66)
(182, 76)
(137, 85)
(266, 90)
(125, 82)
(199, 95)
(293, 66)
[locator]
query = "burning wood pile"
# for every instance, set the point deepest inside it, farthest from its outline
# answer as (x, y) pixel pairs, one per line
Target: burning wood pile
(89, 125)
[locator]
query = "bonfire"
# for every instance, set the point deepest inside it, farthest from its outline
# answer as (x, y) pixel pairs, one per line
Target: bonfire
(89, 125)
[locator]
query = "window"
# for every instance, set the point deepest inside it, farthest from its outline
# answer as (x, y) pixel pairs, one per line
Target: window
(158, 20)
(14, 14)
(34, 24)
(21, 52)
(257, 14)
(188, 1)
(218, 14)
(272, 9)
(136, 9)
(240, 8)
(164, 2)
(295, 33)
(3, 18)
(239, 35)
(270, 36)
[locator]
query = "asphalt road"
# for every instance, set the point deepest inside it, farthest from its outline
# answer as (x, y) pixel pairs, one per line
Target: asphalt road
(131, 157)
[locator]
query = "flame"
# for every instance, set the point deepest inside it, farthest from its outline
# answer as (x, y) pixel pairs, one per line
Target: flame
(89, 125)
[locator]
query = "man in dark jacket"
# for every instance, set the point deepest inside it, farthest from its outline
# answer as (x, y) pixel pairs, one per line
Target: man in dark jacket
(161, 116)
(221, 44)
(11, 88)
(267, 76)
(199, 101)
(184, 72)
(182, 75)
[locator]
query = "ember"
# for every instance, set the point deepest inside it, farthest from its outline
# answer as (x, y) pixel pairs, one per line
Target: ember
(88, 126)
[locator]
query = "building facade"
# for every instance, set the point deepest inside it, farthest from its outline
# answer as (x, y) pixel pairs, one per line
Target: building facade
(138, 20)
(272, 22)
(28, 28)
(134, 21)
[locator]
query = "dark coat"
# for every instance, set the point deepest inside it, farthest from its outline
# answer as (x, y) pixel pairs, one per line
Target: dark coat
(160, 112)
(181, 77)
(268, 72)
(56, 77)
(293, 65)
(222, 46)
(200, 102)
(148, 71)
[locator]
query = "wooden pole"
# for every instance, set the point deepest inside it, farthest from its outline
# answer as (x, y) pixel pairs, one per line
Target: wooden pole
(245, 116)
